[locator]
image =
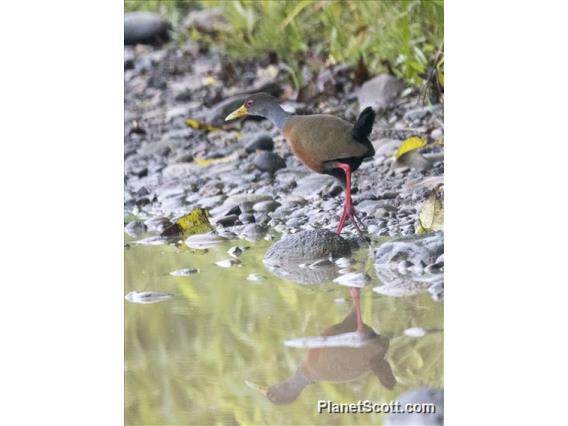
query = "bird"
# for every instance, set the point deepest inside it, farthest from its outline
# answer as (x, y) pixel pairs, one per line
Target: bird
(336, 364)
(324, 143)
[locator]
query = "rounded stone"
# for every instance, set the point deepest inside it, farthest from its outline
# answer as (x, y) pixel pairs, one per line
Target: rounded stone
(269, 162)
(145, 28)
(307, 246)
(261, 143)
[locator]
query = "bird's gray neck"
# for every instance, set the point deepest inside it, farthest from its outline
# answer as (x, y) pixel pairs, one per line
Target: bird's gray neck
(288, 391)
(277, 116)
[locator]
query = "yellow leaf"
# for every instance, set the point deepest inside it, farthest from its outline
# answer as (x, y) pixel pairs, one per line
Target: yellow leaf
(440, 141)
(209, 81)
(195, 222)
(409, 145)
(198, 125)
(431, 215)
(207, 162)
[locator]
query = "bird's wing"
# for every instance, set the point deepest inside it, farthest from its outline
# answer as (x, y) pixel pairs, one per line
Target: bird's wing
(322, 138)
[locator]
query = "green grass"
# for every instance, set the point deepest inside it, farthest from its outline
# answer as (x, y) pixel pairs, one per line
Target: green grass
(401, 37)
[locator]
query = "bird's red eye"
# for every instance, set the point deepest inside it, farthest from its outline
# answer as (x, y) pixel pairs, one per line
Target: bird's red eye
(249, 103)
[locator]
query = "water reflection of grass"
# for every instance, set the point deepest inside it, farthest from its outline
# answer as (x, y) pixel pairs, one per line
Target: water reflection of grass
(187, 358)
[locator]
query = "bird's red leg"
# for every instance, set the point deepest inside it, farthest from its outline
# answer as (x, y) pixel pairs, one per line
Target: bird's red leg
(356, 296)
(347, 207)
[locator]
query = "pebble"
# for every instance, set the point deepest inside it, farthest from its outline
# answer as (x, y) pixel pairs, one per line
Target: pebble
(235, 251)
(135, 228)
(437, 292)
(155, 240)
(437, 133)
(252, 232)
(201, 241)
(255, 277)
(269, 162)
(145, 297)
(225, 221)
(145, 28)
(343, 262)
(184, 272)
(435, 268)
(266, 206)
(415, 332)
(246, 218)
(227, 263)
(262, 143)
(157, 224)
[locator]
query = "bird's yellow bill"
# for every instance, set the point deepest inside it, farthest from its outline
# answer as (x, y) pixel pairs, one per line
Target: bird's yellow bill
(242, 111)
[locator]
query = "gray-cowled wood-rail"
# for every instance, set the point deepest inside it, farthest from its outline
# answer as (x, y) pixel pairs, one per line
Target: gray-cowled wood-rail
(336, 364)
(324, 143)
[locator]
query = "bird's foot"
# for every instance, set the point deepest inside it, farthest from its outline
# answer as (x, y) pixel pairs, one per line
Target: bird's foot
(359, 225)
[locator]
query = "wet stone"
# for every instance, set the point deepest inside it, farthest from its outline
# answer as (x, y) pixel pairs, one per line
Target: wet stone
(255, 277)
(308, 246)
(227, 263)
(184, 272)
(146, 297)
(201, 241)
(235, 251)
(135, 228)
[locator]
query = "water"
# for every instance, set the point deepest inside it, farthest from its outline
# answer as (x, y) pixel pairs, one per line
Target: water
(188, 359)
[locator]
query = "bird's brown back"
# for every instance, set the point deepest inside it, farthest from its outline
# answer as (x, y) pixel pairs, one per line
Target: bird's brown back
(318, 138)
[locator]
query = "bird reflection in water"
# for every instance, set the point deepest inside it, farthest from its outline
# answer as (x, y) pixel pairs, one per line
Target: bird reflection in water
(340, 354)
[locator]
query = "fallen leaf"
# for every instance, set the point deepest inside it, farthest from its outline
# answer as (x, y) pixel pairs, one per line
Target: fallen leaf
(207, 162)
(195, 222)
(410, 144)
(209, 81)
(431, 215)
(199, 125)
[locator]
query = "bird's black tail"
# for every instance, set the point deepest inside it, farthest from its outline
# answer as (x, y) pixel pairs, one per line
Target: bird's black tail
(364, 125)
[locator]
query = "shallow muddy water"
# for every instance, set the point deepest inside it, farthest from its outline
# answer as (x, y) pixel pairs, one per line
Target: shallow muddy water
(188, 358)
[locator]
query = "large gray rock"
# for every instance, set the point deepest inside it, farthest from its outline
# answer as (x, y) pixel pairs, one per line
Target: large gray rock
(307, 246)
(145, 28)
(379, 92)
(419, 396)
